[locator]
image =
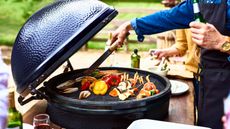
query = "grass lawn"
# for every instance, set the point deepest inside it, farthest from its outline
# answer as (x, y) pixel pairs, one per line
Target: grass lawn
(14, 13)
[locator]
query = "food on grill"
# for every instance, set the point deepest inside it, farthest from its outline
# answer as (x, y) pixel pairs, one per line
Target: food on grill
(99, 73)
(120, 85)
(67, 84)
(143, 93)
(149, 86)
(112, 80)
(114, 93)
(141, 80)
(123, 86)
(99, 87)
(86, 82)
(70, 90)
(84, 94)
(148, 89)
(127, 94)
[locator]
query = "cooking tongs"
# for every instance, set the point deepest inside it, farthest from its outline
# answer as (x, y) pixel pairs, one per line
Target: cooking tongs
(101, 59)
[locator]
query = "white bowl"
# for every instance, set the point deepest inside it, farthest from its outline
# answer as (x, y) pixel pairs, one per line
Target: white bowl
(154, 69)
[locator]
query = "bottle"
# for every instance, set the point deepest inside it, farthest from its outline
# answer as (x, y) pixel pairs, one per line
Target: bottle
(197, 15)
(110, 60)
(14, 116)
(135, 59)
(199, 18)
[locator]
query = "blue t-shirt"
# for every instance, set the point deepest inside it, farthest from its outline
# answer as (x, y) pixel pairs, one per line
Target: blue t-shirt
(178, 17)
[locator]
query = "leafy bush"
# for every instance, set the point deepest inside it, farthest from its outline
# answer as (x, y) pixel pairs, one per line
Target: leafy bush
(13, 14)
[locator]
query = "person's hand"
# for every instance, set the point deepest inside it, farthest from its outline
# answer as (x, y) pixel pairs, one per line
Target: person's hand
(120, 34)
(224, 120)
(165, 52)
(206, 35)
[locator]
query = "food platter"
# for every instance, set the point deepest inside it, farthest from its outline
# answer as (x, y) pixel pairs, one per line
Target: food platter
(178, 87)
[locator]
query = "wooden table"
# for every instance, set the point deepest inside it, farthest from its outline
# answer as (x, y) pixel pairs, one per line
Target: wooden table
(181, 108)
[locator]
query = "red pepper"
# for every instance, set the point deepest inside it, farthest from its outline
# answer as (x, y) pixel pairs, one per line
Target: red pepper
(112, 80)
(85, 86)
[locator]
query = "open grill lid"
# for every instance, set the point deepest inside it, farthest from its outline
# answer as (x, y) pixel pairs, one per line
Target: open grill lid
(52, 35)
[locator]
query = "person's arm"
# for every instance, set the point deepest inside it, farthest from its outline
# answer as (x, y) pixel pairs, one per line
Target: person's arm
(207, 36)
(177, 17)
(166, 52)
(181, 41)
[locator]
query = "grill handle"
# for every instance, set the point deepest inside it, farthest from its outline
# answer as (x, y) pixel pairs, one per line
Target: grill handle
(38, 94)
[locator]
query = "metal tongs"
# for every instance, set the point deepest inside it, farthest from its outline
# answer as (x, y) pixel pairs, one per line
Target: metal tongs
(102, 58)
(161, 64)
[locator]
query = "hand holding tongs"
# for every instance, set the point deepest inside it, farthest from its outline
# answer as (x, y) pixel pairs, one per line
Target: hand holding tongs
(161, 64)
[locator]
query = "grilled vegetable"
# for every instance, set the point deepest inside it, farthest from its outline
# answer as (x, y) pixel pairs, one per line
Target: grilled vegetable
(85, 85)
(99, 87)
(149, 86)
(126, 94)
(143, 93)
(70, 90)
(114, 93)
(122, 86)
(84, 94)
(112, 80)
(67, 84)
(86, 82)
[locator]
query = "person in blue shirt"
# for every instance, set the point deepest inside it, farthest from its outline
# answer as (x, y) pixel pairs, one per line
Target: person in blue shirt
(212, 37)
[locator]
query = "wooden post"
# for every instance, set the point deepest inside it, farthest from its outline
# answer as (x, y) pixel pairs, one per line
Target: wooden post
(166, 39)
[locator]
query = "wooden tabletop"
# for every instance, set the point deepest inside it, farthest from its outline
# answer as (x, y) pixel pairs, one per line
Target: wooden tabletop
(181, 108)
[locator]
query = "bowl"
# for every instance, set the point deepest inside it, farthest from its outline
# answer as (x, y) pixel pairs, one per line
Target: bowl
(154, 69)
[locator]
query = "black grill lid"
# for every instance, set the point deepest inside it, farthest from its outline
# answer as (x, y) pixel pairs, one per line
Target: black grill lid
(52, 35)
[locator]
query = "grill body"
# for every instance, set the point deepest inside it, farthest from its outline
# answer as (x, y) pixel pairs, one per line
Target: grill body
(105, 112)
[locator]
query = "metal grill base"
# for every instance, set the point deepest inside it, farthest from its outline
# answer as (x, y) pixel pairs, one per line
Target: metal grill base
(70, 120)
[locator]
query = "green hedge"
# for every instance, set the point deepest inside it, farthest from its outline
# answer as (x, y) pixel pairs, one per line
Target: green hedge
(152, 1)
(14, 13)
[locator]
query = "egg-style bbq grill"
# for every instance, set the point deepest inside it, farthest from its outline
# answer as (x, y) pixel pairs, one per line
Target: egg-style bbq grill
(47, 40)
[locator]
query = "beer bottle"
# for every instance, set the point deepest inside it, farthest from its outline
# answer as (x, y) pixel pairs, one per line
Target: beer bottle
(197, 15)
(14, 116)
(135, 59)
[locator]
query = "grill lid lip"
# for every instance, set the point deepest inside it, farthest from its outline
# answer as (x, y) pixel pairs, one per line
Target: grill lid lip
(60, 55)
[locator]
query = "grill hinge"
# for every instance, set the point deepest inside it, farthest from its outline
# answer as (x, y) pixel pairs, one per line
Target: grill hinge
(68, 67)
(36, 94)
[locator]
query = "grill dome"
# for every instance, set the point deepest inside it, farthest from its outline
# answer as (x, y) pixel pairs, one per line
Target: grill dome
(52, 35)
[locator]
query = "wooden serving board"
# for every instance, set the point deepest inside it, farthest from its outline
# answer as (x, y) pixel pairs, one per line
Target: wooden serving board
(178, 70)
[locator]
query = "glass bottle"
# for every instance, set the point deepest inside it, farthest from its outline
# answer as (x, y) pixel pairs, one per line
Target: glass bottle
(14, 116)
(197, 15)
(135, 59)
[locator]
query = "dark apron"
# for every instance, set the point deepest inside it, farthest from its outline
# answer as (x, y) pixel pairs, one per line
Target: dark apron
(215, 74)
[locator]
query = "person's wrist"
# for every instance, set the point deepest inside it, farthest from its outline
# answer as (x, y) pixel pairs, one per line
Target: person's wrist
(128, 26)
(222, 42)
